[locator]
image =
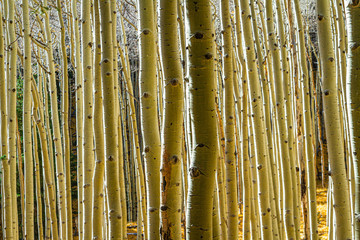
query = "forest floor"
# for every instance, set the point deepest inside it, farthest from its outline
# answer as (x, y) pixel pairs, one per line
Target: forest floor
(321, 207)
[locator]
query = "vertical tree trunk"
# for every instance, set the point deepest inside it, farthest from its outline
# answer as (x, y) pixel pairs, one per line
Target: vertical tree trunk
(202, 89)
(56, 127)
(37, 173)
(149, 116)
(332, 122)
(79, 114)
(88, 135)
(99, 170)
(172, 127)
(5, 160)
(28, 162)
(353, 98)
(308, 132)
(111, 140)
(229, 112)
(12, 113)
(50, 196)
(262, 158)
(65, 124)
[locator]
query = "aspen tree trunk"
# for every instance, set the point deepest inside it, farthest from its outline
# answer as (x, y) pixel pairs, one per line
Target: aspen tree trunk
(149, 115)
(12, 114)
(342, 42)
(120, 166)
(5, 160)
(289, 136)
(139, 168)
(332, 123)
(308, 132)
(88, 135)
(255, 221)
(79, 113)
(262, 159)
(202, 87)
(65, 125)
(37, 172)
(221, 194)
(288, 213)
(111, 139)
(50, 199)
(28, 161)
(245, 165)
(20, 169)
(270, 112)
(267, 104)
(38, 101)
(353, 98)
(45, 103)
(220, 173)
(99, 170)
(229, 110)
(172, 127)
(56, 127)
(215, 217)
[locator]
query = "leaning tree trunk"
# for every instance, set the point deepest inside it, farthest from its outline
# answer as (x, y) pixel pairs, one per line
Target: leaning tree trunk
(353, 98)
(332, 122)
(202, 89)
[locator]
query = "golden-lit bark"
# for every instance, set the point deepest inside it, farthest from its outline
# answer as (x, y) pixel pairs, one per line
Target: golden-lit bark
(202, 89)
(149, 116)
(28, 160)
(332, 123)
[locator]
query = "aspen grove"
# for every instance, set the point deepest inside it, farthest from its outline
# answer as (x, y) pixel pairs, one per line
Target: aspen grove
(180, 119)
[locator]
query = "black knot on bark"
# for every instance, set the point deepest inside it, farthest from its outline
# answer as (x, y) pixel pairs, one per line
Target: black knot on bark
(174, 82)
(152, 209)
(146, 95)
(208, 56)
(164, 208)
(174, 159)
(147, 149)
(199, 35)
(145, 31)
(194, 172)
